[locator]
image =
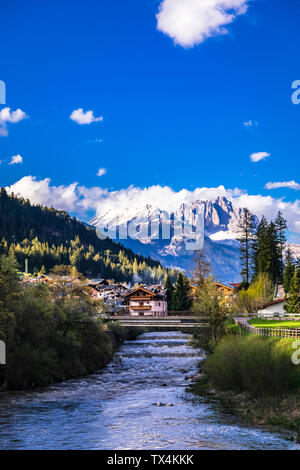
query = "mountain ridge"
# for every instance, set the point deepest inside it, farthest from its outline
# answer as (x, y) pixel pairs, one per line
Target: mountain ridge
(221, 234)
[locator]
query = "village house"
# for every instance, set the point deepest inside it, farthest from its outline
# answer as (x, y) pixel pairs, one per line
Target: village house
(272, 308)
(227, 291)
(144, 302)
(101, 291)
(111, 294)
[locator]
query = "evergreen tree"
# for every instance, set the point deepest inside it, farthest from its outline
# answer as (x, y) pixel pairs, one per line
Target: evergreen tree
(48, 237)
(293, 302)
(202, 268)
(247, 227)
(275, 255)
(266, 253)
(169, 291)
(281, 226)
(181, 299)
(289, 271)
(260, 253)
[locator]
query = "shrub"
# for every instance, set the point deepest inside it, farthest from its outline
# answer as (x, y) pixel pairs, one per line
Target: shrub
(261, 366)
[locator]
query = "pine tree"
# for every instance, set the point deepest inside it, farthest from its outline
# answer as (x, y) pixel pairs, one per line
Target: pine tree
(281, 226)
(43, 270)
(260, 252)
(169, 291)
(265, 252)
(202, 268)
(275, 262)
(289, 270)
(293, 302)
(181, 299)
(247, 227)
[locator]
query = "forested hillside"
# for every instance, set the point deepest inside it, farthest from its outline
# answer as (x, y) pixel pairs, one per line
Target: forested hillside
(48, 237)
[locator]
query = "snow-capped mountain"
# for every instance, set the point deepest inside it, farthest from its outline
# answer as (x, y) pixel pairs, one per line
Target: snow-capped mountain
(155, 233)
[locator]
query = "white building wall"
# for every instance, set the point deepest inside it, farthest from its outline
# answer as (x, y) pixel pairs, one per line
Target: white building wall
(158, 308)
(276, 308)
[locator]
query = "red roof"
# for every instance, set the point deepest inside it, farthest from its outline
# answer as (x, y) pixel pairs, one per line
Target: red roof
(236, 285)
(274, 302)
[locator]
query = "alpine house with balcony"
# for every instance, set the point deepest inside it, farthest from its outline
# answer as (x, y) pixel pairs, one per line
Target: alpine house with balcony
(143, 302)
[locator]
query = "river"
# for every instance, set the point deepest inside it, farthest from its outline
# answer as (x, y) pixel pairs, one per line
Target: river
(116, 408)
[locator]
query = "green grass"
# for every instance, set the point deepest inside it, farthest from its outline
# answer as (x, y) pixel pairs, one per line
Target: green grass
(259, 365)
(232, 328)
(260, 323)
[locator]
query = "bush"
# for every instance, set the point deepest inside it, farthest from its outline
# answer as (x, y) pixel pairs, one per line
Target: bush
(49, 338)
(261, 366)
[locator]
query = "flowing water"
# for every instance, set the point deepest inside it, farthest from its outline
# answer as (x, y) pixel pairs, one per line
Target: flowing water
(116, 408)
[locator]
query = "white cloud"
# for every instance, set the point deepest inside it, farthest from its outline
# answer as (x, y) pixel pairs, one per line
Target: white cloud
(12, 117)
(96, 141)
(81, 117)
(257, 157)
(41, 192)
(283, 184)
(250, 123)
(16, 159)
(101, 172)
(100, 201)
(191, 22)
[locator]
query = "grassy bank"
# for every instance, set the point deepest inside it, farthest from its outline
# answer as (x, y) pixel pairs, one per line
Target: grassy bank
(254, 377)
(281, 413)
(261, 323)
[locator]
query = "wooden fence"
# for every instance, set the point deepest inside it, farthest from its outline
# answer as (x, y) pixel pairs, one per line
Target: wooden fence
(293, 333)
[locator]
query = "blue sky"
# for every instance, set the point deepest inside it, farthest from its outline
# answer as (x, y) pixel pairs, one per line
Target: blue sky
(173, 113)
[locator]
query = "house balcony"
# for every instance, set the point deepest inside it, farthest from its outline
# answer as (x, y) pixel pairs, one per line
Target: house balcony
(140, 307)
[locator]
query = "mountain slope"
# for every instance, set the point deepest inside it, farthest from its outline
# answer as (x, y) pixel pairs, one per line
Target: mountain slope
(221, 230)
(48, 237)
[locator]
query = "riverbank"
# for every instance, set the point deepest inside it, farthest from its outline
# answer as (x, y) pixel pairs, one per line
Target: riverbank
(276, 414)
(253, 378)
(94, 352)
(123, 406)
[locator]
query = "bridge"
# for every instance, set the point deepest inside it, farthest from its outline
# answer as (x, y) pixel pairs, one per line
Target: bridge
(161, 322)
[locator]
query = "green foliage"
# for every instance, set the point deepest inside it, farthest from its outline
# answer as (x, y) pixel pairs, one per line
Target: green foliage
(247, 227)
(258, 293)
(289, 271)
(209, 302)
(48, 237)
(263, 323)
(48, 339)
(281, 226)
(169, 291)
(261, 366)
(181, 299)
(267, 249)
(293, 302)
